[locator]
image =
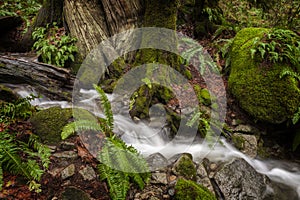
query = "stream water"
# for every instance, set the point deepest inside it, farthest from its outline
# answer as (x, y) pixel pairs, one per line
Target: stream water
(153, 137)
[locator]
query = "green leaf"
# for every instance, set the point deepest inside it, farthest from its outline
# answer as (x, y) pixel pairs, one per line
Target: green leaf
(253, 51)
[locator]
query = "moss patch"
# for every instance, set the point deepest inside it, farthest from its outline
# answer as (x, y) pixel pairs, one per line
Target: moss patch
(48, 123)
(185, 167)
(190, 190)
(258, 88)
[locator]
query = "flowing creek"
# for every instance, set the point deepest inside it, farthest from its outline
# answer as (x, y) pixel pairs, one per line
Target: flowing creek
(150, 139)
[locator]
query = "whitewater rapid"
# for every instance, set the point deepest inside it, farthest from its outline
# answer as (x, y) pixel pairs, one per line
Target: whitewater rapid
(153, 139)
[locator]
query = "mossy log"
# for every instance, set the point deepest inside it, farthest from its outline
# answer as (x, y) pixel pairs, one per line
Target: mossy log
(56, 83)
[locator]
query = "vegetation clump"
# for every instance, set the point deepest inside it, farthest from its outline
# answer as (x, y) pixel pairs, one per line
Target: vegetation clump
(189, 190)
(20, 151)
(185, 167)
(53, 45)
(120, 164)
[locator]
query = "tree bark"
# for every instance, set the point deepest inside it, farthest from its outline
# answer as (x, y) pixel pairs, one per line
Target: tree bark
(93, 21)
(55, 83)
(51, 11)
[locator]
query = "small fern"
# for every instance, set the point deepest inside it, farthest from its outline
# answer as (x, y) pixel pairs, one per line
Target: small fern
(21, 108)
(106, 107)
(196, 53)
(11, 147)
(287, 72)
(80, 125)
(119, 164)
(11, 161)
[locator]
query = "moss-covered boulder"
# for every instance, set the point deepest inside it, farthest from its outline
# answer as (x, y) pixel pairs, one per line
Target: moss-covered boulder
(257, 86)
(184, 167)
(48, 123)
(7, 95)
(189, 190)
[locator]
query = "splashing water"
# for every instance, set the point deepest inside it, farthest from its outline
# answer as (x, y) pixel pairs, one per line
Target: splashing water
(150, 139)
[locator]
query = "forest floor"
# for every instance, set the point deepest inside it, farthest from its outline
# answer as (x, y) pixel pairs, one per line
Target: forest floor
(16, 188)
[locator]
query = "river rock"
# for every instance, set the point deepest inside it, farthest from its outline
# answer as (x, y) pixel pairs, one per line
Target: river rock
(157, 161)
(185, 167)
(68, 172)
(202, 178)
(256, 85)
(66, 155)
(246, 144)
(48, 124)
(88, 173)
(239, 180)
(158, 177)
(7, 95)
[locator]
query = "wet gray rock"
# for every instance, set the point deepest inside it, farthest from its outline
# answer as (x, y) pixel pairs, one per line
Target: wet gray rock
(247, 144)
(202, 178)
(68, 172)
(242, 128)
(88, 173)
(239, 180)
(157, 161)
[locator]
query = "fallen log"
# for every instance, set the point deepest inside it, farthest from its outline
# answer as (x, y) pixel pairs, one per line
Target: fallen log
(54, 82)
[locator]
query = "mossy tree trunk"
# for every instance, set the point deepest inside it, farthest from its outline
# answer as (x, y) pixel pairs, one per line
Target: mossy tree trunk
(161, 14)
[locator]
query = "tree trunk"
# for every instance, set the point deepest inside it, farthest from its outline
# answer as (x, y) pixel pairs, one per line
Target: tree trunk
(51, 11)
(161, 14)
(93, 21)
(56, 83)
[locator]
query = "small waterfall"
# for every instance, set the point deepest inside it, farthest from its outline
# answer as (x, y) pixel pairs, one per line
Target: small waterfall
(150, 139)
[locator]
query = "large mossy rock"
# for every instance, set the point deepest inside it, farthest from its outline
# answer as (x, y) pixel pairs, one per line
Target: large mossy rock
(48, 123)
(258, 88)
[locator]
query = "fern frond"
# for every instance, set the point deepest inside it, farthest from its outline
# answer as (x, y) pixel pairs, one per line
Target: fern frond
(43, 152)
(9, 157)
(296, 116)
(34, 170)
(106, 107)
(288, 72)
(80, 125)
(120, 158)
(118, 181)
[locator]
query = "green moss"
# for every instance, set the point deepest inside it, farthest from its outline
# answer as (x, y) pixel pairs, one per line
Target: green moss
(48, 123)
(256, 86)
(238, 141)
(185, 167)
(205, 97)
(189, 190)
(197, 90)
(188, 74)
